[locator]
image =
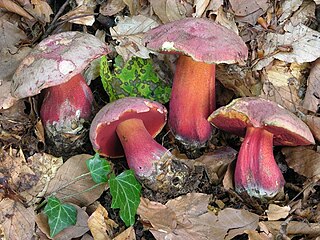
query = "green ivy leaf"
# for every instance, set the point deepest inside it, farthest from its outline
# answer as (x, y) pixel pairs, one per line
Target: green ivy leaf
(125, 191)
(60, 216)
(135, 78)
(99, 168)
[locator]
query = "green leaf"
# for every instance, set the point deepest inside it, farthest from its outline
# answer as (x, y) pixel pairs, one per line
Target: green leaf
(125, 191)
(135, 78)
(99, 168)
(60, 216)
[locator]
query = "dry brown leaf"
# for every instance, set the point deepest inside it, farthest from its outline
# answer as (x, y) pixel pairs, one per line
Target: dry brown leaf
(100, 225)
(112, 7)
(200, 6)
(276, 212)
(249, 11)
(129, 32)
(303, 15)
(313, 123)
(227, 20)
(128, 234)
(82, 14)
(255, 235)
(215, 163)
(16, 221)
(288, 7)
(281, 83)
(227, 181)
(312, 97)
(194, 221)
(86, 236)
(133, 6)
(40, 9)
(158, 215)
(171, 10)
(301, 45)
(294, 228)
(71, 169)
(71, 232)
(304, 161)
(15, 8)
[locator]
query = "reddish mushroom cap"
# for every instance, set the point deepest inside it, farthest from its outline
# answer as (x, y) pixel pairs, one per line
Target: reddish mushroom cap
(199, 38)
(103, 134)
(55, 60)
(286, 127)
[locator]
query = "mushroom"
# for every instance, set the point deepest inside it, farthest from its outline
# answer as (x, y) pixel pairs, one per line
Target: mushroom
(263, 123)
(201, 44)
(56, 64)
(128, 126)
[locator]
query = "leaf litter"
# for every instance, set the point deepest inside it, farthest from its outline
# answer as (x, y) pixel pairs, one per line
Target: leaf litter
(284, 46)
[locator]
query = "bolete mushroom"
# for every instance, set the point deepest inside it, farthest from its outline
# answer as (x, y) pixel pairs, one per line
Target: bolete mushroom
(263, 123)
(56, 64)
(128, 126)
(201, 44)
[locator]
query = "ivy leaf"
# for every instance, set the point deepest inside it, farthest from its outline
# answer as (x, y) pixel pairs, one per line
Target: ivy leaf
(99, 168)
(125, 191)
(135, 78)
(60, 216)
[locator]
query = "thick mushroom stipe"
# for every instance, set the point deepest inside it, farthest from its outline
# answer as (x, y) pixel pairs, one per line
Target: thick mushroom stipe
(127, 126)
(256, 171)
(264, 124)
(190, 108)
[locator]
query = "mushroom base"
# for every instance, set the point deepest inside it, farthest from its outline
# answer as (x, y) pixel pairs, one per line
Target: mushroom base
(192, 101)
(153, 164)
(256, 171)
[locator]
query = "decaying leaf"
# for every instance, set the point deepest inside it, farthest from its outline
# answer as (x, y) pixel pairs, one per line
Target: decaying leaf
(16, 221)
(171, 10)
(11, 6)
(313, 123)
(129, 32)
(288, 7)
(128, 234)
(276, 212)
(215, 163)
(304, 161)
(299, 44)
(100, 225)
(312, 98)
(40, 9)
(68, 173)
(82, 14)
(194, 221)
(75, 231)
(282, 82)
(200, 6)
(112, 7)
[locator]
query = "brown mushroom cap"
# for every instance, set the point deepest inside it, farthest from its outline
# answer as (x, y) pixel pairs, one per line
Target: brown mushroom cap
(287, 128)
(55, 60)
(103, 134)
(199, 38)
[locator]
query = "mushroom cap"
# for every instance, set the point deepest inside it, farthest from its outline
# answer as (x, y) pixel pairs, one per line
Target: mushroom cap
(55, 60)
(103, 136)
(199, 38)
(287, 128)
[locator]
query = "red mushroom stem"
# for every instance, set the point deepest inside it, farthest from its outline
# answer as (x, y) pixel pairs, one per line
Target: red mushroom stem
(66, 102)
(192, 101)
(141, 150)
(256, 171)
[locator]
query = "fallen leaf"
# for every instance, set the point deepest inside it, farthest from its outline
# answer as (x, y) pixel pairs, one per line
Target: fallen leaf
(82, 14)
(40, 9)
(100, 225)
(276, 212)
(200, 6)
(304, 161)
(128, 234)
(171, 10)
(75, 231)
(303, 43)
(16, 221)
(255, 235)
(129, 32)
(11, 6)
(158, 215)
(313, 123)
(215, 163)
(282, 82)
(112, 7)
(294, 228)
(303, 15)
(312, 97)
(288, 7)
(78, 190)
(194, 221)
